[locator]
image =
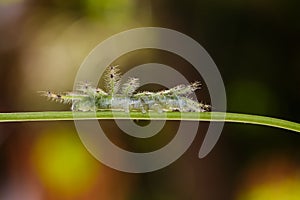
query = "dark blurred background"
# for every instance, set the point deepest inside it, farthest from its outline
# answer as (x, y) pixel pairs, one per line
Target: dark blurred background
(255, 44)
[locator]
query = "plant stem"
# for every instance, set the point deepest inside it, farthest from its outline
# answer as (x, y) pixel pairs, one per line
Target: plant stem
(105, 115)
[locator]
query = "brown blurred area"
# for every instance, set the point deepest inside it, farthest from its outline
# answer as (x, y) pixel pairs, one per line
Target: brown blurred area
(256, 46)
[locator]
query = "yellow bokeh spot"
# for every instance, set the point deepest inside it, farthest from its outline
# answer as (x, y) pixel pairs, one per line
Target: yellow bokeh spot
(277, 190)
(63, 164)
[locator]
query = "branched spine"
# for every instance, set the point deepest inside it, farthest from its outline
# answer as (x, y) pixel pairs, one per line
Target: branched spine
(113, 80)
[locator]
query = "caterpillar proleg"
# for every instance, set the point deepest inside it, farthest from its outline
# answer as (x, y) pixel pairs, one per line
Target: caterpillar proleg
(126, 98)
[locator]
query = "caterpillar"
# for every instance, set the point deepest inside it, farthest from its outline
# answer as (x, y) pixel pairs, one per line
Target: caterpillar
(125, 97)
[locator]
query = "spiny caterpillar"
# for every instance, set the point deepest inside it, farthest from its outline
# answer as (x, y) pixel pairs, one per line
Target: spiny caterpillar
(125, 98)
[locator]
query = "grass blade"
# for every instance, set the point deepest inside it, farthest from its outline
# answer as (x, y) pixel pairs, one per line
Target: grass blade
(106, 115)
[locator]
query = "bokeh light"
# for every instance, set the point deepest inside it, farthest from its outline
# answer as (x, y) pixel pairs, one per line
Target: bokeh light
(273, 177)
(63, 164)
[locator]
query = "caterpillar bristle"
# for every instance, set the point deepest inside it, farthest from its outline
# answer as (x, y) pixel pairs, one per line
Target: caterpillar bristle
(56, 97)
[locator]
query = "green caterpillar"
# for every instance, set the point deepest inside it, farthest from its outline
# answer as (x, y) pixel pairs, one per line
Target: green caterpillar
(125, 97)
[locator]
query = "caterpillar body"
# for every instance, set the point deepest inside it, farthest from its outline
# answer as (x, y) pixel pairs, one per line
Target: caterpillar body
(125, 97)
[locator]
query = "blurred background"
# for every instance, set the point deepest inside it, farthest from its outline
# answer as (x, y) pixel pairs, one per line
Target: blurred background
(255, 44)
